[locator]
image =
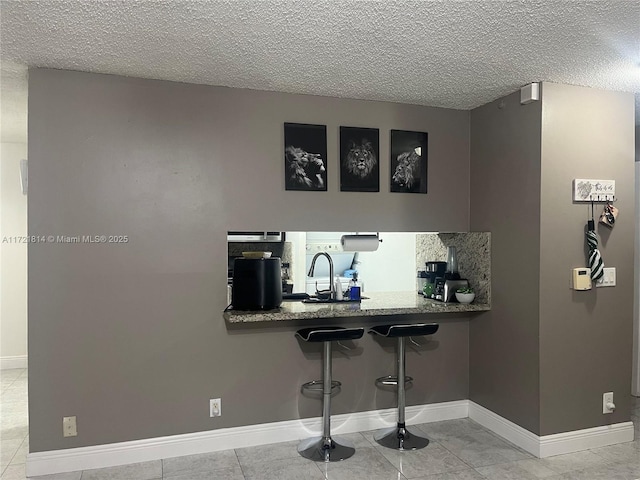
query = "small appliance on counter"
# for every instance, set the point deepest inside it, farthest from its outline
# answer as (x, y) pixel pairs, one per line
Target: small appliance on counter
(450, 288)
(445, 289)
(452, 264)
(434, 270)
(287, 283)
(257, 283)
(447, 279)
(421, 281)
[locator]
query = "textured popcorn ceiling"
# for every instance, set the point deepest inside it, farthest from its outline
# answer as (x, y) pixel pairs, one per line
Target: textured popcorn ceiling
(454, 54)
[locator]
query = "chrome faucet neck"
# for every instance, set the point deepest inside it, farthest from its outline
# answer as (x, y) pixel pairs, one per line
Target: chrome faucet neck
(332, 289)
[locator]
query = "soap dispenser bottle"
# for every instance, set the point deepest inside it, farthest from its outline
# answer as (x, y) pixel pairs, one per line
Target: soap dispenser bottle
(354, 288)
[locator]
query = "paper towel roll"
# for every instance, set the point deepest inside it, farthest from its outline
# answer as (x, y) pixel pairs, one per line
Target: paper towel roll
(359, 243)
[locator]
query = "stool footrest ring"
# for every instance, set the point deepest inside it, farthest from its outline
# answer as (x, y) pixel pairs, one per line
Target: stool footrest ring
(318, 385)
(389, 380)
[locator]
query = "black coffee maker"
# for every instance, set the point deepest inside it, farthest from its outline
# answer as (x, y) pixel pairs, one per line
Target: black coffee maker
(435, 270)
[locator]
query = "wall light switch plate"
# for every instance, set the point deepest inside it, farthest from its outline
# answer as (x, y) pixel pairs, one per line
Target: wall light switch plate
(608, 279)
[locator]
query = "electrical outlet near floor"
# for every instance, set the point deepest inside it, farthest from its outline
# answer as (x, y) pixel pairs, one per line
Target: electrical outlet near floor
(215, 407)
(607, 403)
(69, 427)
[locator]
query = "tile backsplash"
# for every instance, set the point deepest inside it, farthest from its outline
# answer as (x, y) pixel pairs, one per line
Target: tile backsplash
(473, 250)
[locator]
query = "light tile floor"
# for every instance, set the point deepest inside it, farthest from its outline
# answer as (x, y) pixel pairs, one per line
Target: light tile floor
(459, 450)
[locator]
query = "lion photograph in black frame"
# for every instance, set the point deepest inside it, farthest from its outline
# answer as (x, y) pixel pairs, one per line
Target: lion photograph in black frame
(408, 161)
(359, 159)
(305, 157)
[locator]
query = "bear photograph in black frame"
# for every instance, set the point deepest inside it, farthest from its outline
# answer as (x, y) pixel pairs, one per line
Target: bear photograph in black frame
(359, 159)
(305, 157)
(408, 161)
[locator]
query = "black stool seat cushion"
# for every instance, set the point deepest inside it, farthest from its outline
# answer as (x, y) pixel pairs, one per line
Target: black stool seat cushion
(415, 330)
(329, 334)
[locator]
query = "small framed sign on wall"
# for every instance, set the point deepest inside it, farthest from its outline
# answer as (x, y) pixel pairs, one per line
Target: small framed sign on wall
(586, 190)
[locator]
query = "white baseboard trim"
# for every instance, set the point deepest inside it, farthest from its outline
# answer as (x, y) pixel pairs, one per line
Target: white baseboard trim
(517, 435)
(101, 456)
(550, 445)
(577, 440)
(18, 361)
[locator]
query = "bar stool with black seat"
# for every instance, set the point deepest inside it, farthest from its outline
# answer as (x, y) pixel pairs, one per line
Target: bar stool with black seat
(400, 437)
(324, 448)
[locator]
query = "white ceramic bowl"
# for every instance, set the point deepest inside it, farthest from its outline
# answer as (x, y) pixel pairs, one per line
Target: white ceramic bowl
(465, 297)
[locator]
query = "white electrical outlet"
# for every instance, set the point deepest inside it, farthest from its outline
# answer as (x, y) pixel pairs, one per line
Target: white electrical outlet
(215, 407)
(323, 247)
(69, 427)
(608, 279)
(607, 403)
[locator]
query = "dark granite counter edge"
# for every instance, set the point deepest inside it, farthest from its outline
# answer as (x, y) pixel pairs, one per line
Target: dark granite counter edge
(279, 315)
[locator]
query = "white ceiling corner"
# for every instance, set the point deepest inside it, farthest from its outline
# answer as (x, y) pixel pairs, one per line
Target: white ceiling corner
(13, 102)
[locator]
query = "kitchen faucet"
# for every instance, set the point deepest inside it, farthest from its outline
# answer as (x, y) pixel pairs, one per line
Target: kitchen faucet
(332, 290)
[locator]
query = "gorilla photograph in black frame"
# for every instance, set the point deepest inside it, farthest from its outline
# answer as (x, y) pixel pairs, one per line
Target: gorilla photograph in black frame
(359, 159)
(305, 157)
(409, 161)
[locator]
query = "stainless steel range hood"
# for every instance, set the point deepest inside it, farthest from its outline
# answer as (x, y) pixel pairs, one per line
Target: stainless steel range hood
(255, 236)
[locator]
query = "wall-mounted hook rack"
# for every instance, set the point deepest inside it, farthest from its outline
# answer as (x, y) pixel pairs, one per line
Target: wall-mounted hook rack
(597, 197)
(585, 190)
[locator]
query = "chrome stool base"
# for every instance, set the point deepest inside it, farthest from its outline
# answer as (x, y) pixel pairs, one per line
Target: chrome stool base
(325, 449)
(400, 438)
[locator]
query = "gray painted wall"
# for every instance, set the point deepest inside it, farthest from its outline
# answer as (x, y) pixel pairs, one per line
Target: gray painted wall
(505, 200)
(130, 337)
(585, 337)
(545, 354)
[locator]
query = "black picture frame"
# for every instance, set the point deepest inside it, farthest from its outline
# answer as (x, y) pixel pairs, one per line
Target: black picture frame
(409, 159)
(305, 157)
(359, 159)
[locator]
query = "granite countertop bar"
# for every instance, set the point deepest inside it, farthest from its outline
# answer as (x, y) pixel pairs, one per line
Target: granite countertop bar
(392, 303)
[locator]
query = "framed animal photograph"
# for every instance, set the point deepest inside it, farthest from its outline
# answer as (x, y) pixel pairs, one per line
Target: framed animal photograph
(305, 157)
(359, 159)
(409, 161)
